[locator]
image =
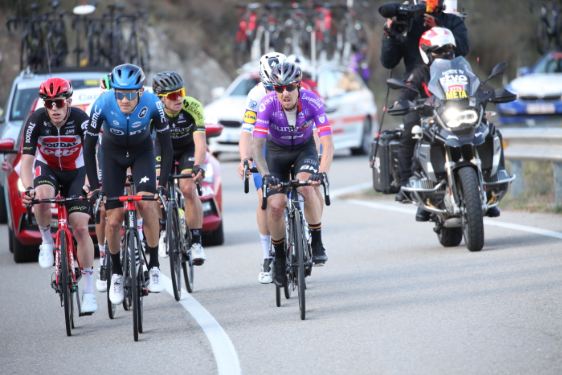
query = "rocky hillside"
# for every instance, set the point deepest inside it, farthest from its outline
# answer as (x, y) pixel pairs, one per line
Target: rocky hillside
(196, 38)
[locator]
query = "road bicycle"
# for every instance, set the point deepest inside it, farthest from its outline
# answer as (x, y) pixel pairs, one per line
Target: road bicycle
(67, 270)
(133, 259)
(178, 236)
(297, 241)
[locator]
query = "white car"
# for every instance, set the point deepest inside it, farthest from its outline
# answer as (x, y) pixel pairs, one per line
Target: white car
(349, 104)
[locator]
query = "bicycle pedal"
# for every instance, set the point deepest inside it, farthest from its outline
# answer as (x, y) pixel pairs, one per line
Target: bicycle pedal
(86, 313)
(145, 292)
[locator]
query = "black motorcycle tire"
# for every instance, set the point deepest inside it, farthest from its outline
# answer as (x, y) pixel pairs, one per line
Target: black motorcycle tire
(473, 223)
(450, 237)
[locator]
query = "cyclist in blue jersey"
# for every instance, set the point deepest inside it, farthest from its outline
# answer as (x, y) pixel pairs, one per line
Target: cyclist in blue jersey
(127, 115)
(285, 123)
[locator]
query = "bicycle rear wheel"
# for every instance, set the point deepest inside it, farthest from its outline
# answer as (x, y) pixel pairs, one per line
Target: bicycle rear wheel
(173, 249)
(187, 265)
(299, 252)
(133, 282)
(108, 274)
(64, 284)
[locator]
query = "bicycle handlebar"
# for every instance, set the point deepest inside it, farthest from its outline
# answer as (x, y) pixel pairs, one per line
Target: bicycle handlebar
(247, 171)
(186, 175)
(286, 185)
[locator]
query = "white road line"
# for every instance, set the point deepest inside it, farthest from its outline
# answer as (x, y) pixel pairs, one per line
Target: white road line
(223, 349)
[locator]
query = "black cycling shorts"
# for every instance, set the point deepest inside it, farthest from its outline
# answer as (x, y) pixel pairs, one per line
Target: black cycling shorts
(114, 165)
(71, 183)
(184, 157)
(279, 160)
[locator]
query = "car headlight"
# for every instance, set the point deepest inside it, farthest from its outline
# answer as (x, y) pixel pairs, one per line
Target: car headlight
(209, 173)
(455, 117)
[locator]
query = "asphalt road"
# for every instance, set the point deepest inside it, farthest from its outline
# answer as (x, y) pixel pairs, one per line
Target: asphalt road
(390, 300)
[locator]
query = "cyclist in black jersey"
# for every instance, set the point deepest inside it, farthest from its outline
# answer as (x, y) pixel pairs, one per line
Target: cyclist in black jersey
(128, 114)
(52, 157)
(187, 129)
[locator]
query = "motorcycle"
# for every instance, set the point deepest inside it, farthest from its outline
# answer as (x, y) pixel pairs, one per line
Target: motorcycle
(458, 157)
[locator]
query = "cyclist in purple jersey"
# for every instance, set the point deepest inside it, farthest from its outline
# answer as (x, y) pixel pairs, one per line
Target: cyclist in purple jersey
(285, 122)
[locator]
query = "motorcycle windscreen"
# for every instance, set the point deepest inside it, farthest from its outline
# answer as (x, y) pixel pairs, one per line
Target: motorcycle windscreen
(452, 80)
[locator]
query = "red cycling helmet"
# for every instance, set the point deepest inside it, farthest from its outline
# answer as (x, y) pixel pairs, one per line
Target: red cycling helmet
(54, 88)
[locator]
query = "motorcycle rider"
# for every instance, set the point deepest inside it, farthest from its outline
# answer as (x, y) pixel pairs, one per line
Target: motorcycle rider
(396, 46)
(436, 43)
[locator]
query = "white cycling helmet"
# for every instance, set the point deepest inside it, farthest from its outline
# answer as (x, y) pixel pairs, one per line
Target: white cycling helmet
(267, 62)
(434, 39)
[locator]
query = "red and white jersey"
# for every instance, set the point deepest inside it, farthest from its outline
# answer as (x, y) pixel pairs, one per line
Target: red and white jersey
(59, 148)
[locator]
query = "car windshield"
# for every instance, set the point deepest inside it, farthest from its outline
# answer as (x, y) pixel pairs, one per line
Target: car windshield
(23, 99)
(243, 87)
(337, 82)
(552, 64)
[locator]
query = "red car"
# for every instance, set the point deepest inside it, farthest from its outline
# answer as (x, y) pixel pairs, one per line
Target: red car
(24, 236)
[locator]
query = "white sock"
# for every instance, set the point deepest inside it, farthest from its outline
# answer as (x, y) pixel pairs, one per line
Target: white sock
(46, 234)
(139, 228)
(265, 240)
(88, 276)
(102, 252)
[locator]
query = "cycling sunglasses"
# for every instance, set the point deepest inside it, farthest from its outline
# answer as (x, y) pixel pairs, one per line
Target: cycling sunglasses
(52, 103)
(290, 88)
(174, 95)
(130, 95)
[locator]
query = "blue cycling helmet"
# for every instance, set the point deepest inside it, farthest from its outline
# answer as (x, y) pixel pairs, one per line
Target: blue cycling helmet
(127, 77)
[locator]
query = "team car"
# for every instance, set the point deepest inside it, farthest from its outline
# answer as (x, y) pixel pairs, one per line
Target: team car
(539, 92)
(349, 104)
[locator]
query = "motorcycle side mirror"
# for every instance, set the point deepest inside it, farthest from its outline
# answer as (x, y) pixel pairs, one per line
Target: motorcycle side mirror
(497, 70)
(503, 96)
(394, 83)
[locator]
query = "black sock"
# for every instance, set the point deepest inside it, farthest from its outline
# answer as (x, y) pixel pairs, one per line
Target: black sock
(279, 246)
(196, 235)
(116, 263)
(153, 261)
(316, 233)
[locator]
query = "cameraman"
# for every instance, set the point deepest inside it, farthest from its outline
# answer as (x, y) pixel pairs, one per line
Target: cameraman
(403, 30)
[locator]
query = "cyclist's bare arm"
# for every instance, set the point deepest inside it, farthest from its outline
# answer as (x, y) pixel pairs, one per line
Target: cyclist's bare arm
(259, 158)
(327, 153)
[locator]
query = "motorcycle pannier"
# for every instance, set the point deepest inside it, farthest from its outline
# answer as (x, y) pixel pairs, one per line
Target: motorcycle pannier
(384, 161)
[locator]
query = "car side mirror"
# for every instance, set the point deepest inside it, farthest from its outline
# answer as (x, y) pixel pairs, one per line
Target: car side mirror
(523, 71)
(213, 130)
(217, 92)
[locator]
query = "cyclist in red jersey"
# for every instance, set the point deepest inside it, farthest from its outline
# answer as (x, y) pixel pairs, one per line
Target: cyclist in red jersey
(52, 157)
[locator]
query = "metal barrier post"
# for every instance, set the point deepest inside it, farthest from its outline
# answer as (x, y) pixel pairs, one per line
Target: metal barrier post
(518, 185)
(557, 170)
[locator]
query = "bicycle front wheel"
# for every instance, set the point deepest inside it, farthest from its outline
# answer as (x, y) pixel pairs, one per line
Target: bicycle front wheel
(64, 283)
(299, 252)
(173, 249)
(133, 284)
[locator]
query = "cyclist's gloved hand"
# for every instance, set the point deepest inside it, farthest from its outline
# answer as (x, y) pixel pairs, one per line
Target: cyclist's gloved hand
(28, 195)
(271, 181)
(198, 172)
(317, 178)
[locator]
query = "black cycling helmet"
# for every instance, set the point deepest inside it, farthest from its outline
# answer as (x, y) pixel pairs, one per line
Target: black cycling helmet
(165, 82)
(286, 73)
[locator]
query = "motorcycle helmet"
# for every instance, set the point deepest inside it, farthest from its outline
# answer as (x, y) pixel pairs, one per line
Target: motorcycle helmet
(54, 88)
(165, 82)
(267, 62)
(286, 73)
(437, 40)
(127, 77)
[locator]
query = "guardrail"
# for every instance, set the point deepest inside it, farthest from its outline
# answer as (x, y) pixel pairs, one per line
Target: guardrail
(534, 144)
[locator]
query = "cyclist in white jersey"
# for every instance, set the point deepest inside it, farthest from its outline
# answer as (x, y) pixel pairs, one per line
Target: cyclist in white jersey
(267, 62)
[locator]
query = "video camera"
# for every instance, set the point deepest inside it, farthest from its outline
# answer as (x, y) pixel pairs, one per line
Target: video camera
(404, 14)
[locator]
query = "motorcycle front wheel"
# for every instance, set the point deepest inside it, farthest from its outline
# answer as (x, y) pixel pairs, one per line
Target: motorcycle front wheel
(473, 221)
